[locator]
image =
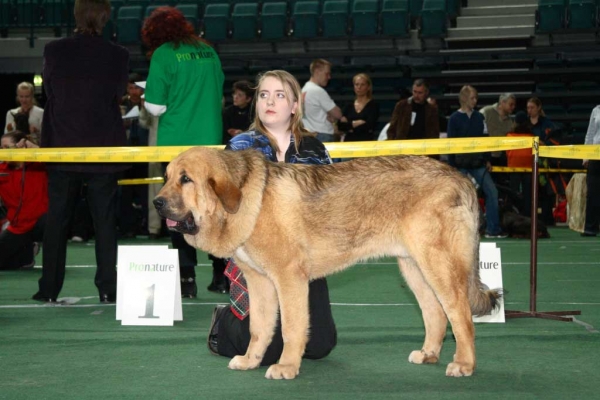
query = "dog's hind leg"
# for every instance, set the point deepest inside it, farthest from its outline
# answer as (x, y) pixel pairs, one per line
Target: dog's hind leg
(447, 274)
(263, 309)
(433, 314)
(293, 302)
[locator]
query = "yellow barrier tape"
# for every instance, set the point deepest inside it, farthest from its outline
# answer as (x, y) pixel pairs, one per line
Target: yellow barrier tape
(337, 150)
(580, 152)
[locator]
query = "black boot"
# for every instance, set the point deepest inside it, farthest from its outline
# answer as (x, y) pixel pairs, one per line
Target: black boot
(189, 288)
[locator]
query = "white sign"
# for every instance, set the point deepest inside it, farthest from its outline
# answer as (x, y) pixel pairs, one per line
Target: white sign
(148, 286)
(490, 272)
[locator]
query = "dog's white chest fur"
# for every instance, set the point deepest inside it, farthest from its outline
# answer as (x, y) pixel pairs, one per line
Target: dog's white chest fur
(241, 255)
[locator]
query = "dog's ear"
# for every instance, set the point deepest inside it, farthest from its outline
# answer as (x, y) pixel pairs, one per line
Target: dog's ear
(229, 195)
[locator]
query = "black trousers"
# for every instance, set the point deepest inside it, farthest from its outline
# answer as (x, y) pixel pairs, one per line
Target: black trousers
(63, 190)
(592, 209)
(16, 250)
(234, 334)
(520, 182)
(128, 221)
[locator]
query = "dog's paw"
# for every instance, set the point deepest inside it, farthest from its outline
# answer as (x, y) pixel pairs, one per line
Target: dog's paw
(458, 369)
(280, 371)
(242, 363)
(421, 357)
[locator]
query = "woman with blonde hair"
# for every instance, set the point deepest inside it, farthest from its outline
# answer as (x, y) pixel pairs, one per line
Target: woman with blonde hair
(26, 118)
(360, 118)
(278, 133)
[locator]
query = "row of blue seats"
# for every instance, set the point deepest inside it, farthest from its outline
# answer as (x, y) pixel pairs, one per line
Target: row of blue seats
(308, 19)
(556, 15)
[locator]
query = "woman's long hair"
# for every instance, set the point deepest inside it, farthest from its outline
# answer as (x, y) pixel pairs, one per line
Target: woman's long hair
(538, 104)
(293, 92)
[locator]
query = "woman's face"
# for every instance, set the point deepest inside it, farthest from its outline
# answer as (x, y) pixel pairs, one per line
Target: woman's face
(471, 100)
(240, 99)
(361, 86)
(533, 110)
(7, 142)
(273, 106)
(25, 98)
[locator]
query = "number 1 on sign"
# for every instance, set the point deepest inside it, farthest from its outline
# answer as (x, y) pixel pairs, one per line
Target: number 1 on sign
(149, 304)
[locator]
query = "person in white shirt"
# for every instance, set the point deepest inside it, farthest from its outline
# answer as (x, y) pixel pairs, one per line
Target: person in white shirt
(28, 106)
(592, 211)
(320, 111)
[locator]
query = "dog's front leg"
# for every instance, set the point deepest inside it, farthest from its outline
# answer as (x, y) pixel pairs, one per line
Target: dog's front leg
(292, 291)
(263, 317)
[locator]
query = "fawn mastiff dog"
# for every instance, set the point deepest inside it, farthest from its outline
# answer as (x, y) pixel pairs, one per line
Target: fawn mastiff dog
(286, 224)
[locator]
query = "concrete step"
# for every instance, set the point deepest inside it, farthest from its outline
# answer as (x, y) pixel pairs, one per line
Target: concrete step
(485, 3)
(495, 20)
(491, 31)
(498, 10)
(483, 50)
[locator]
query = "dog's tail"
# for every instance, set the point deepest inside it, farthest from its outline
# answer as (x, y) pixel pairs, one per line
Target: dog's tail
(482, 299)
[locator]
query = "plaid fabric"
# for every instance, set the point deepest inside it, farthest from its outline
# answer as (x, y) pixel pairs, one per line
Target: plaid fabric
(238, 291)
(310, 151)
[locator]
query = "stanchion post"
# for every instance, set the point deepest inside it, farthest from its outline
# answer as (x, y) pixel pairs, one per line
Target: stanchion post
(533, 313)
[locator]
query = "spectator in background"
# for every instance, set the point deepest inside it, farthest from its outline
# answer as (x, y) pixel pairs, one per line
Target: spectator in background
(498, 122)
(133, 219)
(415, 117)
(184, 89)
(238, 116)
(24, 193)
(320, 111)
(468, 122)
(541, 126)
(84, 79)
(359, 121)
(520, 182)
(26, 118)
(592, 210)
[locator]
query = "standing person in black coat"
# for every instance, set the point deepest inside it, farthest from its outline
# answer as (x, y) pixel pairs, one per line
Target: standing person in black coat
(84, 79)
(360, 118)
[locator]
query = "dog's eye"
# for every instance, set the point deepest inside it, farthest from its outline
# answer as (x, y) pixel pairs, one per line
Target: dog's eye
(184, 179)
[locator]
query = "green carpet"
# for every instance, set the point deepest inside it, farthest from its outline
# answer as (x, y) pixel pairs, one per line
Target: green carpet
(82, 352)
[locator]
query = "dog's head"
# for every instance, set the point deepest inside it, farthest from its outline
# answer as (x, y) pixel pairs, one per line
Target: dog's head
(198, 190)
(21, 122)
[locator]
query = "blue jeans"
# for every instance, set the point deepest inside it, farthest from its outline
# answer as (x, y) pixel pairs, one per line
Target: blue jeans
(325, 137)
(484, 179)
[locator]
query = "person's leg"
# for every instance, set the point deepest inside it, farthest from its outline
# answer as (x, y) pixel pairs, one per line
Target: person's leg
(323, 333)
(592, 210)
(102, 198)
(15, 250)
(187, 264)
(63, 188)
(154, 220)
(220, 283)
(483, 177)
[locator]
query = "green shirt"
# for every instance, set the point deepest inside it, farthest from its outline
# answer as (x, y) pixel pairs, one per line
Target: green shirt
(189, 82)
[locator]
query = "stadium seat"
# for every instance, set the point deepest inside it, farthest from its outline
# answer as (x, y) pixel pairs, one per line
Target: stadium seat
(550, 15)
(244, 20)
(274, 20)
(585, 86)
(582, 14)
(55, 12)
(335, 18)
(415, 7)
(305, 18)
(433, 18)
(553, 111)
(190, 12)
(129, 24)
(216, 21)
(27, 12)
(551, 87)
(395, 18)
(150, 9)
(452, 7)
(108, 33)
(365, 17)
(581, 109)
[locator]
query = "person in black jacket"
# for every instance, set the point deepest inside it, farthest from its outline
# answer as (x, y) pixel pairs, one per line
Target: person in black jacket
(360, 118)
(238, 116)
(84, 79)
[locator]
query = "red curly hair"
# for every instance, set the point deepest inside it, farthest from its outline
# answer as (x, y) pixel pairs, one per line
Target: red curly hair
(167, 24)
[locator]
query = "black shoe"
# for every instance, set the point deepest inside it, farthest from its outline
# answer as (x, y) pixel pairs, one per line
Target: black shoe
(189, 289)
(213, 332)
(588, 234)
(39, 297)
(219, 285)
(107, 298)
